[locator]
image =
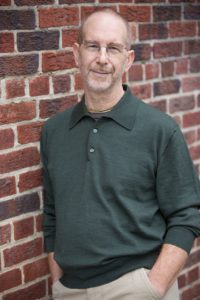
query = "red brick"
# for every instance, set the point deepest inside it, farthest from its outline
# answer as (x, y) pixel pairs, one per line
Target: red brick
(15, 88)
(149, 1)
(19, 159)
(192, 12)
(78, 82)
(182, 66)
(182, 29)
(22, 252)
(136, 13)
(30, 180)
(39, 223)
(194, 152)
(181, 104)
(69, 37)
(152, 70)
(57, 17)
(23, 228)
(166, 87)
(166, 13)
(61, 83)
(195, 64)
(135, 73)
(5, 234)
(75, 1)
(39, 86)
(191, 119)
(167, 49)
(167, 68)
(198, 100)
(6, 42)
(18, 65)
(193, 275)
(38, 40)
(36, 270)
(142, 52)
(16, 112)
(32, 292)
(113, 1)
(191, 84)
(55, 61)
(50, 107)
(10, 279)
(16, 19)
(142, 91)
(153, 31)
(18, 206)
(161, 105)
(6, 139)
(192, 47)
(33, 2)
(5, 2)
(7, 186)
(190, 137)
(29, 133)
(181, 281)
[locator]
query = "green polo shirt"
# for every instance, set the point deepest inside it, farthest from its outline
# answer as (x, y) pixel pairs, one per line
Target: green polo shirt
(117, 188)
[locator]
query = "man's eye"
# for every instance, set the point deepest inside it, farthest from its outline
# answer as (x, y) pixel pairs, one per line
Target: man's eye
(93, 47)
(114, 49)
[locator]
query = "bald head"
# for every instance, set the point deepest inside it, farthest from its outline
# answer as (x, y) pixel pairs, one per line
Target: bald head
(106, 12)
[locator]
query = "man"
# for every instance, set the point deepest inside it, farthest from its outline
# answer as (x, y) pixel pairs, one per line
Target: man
(121, 211)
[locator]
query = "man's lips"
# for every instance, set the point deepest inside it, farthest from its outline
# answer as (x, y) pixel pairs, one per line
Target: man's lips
(101, 72)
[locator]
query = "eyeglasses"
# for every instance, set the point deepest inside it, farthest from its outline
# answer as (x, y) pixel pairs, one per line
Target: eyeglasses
(112, 49)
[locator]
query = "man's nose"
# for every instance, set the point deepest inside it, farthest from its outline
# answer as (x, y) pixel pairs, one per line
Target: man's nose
(102, 55)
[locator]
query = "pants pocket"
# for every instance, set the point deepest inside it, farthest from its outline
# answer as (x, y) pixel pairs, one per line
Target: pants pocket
(142, 287)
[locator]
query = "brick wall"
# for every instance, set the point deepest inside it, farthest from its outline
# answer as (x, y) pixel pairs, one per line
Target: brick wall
(38, 77)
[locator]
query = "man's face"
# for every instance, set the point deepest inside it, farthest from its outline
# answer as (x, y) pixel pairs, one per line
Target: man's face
(103, 57)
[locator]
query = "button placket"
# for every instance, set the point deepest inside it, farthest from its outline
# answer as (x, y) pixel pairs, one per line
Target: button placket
(92, 141)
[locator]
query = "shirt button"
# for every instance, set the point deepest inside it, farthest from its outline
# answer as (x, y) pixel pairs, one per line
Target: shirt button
(91, 150)
(95, 130)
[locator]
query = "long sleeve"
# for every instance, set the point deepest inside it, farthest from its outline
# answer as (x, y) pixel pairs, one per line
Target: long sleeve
(178, 191)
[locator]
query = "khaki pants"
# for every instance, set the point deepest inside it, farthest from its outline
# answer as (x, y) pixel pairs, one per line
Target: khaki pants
(131, 286)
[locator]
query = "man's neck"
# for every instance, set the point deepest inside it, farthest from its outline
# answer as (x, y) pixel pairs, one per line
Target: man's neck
(102, 102)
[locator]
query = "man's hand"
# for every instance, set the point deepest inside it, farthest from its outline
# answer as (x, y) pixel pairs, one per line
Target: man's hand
(56, 271)
(167, 267)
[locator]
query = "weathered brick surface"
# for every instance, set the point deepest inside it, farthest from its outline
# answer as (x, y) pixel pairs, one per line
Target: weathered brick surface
(166, 49)
(23, 228)
(166, 87)
(142, 51)
(181, 29)
(32, 292)
(29, 180)
(192, 12)
(22, 252)
(136, 13)
(142, 91)
(6, 42)
(69, 37)
(61, 83)
(166, 13)
(5, 2)
(16, 19)
(5, 234)
(50, 107)
(181, 104)
(19, 65)
(16, 112)
(18, 206)
(10, 279)
(167, 68)
(35, 270)
(191, 83)
(153, 31)
(192, 47)
(33, 2)
(135, 73)
(39, 86)
(29, 133)
(195, 64)
(7, 186)
(37, 40)
(54, 17)
(152, 70)
(15, 88)
(19, 159)
(6, 138)
(55, 61)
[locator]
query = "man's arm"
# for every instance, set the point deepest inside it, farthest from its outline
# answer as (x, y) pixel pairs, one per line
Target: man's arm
(167, 267)
(56, 271)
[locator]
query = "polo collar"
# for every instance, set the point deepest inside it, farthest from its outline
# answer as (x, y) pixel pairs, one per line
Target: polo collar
(123, 113)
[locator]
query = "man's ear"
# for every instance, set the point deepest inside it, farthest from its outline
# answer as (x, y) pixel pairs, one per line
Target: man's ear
(130, 59)
(76, 47)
